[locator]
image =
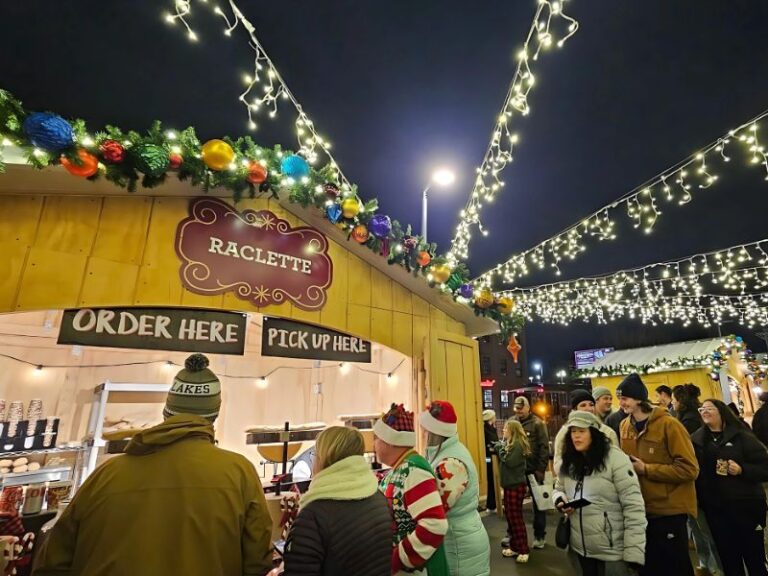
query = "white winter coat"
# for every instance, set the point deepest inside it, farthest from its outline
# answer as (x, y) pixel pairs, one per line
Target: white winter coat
(612, 528)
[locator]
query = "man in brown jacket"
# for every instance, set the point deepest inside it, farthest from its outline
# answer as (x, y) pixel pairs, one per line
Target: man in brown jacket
(664, 460)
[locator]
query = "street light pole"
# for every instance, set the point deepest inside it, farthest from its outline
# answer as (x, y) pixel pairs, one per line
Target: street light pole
(424, 203)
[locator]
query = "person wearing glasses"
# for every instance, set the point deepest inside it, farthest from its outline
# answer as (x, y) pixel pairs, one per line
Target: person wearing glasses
(734, 464)
(537, 461)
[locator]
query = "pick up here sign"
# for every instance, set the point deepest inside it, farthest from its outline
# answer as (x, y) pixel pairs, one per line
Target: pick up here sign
(288, 339)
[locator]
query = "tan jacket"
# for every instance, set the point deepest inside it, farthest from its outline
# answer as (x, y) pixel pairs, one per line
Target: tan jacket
(174, 504)
(671, 468)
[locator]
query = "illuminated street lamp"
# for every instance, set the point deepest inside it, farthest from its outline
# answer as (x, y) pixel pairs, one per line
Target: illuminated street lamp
(441, 177)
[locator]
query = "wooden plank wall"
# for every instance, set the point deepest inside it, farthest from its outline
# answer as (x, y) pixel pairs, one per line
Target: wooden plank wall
(68, 251)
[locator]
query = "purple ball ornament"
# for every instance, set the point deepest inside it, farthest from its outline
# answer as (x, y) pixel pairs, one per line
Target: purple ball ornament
(380, 226)
(333, 212)
(48, 131)
(466, 291)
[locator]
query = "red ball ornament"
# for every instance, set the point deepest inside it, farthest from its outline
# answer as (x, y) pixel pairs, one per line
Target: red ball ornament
(424, 258)
(175, 161)
(360, 234)
(256, 173)
(88, 167)
(331, 191)
(112, 151)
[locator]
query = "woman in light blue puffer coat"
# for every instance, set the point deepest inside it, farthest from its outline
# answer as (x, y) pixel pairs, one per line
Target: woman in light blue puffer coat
(608, 534)
(466, 544)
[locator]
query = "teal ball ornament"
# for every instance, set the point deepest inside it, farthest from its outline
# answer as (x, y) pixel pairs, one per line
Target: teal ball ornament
(295, 167)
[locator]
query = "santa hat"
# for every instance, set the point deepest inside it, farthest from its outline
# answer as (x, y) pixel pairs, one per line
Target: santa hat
(396, 427)
(440, 419)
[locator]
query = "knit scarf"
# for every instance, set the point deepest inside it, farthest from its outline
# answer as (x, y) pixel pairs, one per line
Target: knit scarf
(348, 479)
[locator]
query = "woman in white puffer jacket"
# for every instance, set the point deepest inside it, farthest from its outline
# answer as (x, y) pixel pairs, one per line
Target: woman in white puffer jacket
(608, 535)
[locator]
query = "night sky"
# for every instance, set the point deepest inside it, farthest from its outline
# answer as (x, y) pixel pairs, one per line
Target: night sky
(402, 86)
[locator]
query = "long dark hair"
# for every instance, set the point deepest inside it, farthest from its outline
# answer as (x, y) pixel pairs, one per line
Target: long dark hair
(687, 396)
(730, 420)
(579, 464)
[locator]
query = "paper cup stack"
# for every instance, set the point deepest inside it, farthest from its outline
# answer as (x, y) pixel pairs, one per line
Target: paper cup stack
(15, 415)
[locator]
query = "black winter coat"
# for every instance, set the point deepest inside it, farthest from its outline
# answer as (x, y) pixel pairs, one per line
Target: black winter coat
(538, 437)
(691, 419)
(760, 424)
(741, 446)
(491, 437)
(340, 537)
(614, 420)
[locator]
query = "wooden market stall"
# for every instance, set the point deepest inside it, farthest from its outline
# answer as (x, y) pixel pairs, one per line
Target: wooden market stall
(74, 244)
(717, 366)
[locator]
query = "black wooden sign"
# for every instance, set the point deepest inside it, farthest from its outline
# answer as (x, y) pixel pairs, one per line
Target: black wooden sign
(177, 329)
(289, 339)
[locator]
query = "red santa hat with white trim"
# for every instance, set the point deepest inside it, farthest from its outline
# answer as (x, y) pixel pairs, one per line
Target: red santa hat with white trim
(440, 418)
(396, 427)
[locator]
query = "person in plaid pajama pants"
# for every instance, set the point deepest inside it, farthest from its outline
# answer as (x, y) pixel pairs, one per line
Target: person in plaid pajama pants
(513, 451)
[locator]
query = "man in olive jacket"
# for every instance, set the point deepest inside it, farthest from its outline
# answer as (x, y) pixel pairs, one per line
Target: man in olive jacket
(537, 462)
(663, 458)
(173, 504)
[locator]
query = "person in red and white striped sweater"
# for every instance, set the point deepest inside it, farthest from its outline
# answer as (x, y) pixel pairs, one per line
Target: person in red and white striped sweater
(411, 490)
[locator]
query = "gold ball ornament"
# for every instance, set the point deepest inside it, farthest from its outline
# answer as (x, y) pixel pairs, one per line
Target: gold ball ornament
(441, 273)
(217, 154)
(350, 207)
(484, 299)
(505, 305)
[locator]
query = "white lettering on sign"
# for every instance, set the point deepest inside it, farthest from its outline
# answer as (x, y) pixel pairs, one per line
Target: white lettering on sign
(256, 254)
(77, 321)
(303, 340)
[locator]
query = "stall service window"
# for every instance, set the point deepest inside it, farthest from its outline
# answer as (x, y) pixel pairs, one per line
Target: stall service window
(505, 398)
(487, 399)
(485, 366)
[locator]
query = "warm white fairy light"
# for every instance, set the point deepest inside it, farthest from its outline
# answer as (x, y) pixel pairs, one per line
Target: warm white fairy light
(264, 86)
(663, 292)
(488, 181)
(641, 204)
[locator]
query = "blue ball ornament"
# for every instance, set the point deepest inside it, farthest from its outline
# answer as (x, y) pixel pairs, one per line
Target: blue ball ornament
(466, 291)
(294, 166)
(380, 226)
(739, 339)
(333, 212)
(48, 131)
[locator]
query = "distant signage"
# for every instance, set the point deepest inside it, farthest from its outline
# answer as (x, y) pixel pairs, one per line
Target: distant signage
(288, 339)
(585, 358)
(177, 329)
(487, 383)
(253, 254)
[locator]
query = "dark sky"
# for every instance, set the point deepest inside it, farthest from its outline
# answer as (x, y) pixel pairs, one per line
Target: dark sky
(400, 86)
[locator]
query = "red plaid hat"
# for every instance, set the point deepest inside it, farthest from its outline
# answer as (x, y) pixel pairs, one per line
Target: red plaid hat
(396, 427)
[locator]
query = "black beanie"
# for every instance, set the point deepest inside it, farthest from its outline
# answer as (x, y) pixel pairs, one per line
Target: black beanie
(633, 387)
(579, 396)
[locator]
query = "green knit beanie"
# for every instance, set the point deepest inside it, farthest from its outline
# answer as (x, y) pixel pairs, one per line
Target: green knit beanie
(195, 390)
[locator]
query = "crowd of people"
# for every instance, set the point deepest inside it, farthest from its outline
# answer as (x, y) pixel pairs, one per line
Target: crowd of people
(634, 486)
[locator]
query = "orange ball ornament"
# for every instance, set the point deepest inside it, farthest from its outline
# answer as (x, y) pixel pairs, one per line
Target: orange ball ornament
(89, 166)
(424, 258)
(256, 173)
(484, 300)
(441, 273)
(505, 305)
(360, 234)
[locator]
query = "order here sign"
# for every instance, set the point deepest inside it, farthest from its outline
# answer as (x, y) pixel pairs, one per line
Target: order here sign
(288, 339)
(178, 329)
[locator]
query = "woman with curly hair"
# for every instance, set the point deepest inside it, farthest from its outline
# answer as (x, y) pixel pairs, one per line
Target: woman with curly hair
(598, 488)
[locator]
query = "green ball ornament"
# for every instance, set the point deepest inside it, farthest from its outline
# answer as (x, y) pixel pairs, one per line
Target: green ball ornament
(454, 282)
(150, 159)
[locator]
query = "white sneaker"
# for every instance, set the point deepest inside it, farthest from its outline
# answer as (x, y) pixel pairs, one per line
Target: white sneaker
(508, 553)
(522, 559)
(539, 544)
